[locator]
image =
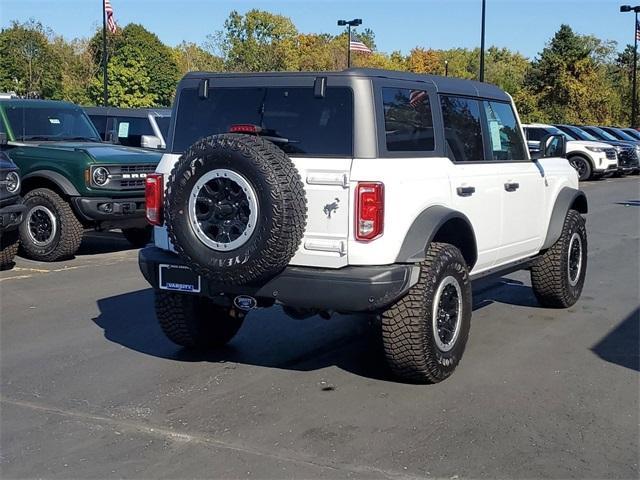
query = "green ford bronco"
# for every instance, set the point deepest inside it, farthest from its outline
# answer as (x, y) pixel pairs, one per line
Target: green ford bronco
(71, 179)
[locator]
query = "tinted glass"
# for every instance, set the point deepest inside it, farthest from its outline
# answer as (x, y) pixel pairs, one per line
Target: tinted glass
(294, 118)
(462, 128)
(577, 133)
(163, 125)
(620, 134)
(535, 134)
(100, 122)
(633, 133)
(600, 134)
(50, 123)
(504, 133)
(129, 130)
(408, 122)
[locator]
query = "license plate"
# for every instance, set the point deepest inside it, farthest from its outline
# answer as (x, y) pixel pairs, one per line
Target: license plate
(178, 278)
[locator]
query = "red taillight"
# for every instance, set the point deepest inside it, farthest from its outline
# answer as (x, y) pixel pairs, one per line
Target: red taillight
(153, 193)
(369, 210)
(245, 128)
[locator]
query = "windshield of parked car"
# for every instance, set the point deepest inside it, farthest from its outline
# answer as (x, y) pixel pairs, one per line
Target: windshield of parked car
(579, 133)
(294, 118)
(601, 134)
(633, 133)
(621, 135)
(557, 131)
(50, 123)
(163, 125)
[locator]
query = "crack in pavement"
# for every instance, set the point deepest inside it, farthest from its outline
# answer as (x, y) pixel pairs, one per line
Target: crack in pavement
(199, 438)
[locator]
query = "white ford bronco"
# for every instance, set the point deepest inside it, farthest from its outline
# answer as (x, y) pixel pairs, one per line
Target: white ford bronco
(356, 191)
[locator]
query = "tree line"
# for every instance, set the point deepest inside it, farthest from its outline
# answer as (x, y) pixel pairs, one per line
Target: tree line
(574, 78)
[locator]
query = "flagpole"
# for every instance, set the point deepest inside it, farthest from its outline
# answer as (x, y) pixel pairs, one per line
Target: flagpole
(104, 56)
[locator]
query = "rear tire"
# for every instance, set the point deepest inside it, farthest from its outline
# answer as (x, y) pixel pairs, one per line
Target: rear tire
(138, 237)
(196, 322)
(9, 242)
(582, 166)
(50, 230)
(425, 333)
(558, 277)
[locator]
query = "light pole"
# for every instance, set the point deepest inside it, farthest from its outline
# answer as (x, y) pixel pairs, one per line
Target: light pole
(636, 32)
(484, 9)
(446, 68)
(349, 23)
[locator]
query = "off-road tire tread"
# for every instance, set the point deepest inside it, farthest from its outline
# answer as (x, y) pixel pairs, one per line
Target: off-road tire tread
(71, 230)
(280, 248)
(193, 322)
(9, 243)
(549, 279)
(404, 325)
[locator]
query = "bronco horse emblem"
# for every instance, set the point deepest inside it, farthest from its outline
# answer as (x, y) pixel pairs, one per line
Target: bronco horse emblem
(329, 208)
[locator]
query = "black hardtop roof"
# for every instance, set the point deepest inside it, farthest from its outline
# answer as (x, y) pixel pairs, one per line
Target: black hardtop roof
(36, 102)
(130, 112)
(441, 84)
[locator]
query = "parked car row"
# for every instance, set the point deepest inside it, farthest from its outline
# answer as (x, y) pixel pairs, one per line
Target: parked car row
(71, 179)
(593, 151)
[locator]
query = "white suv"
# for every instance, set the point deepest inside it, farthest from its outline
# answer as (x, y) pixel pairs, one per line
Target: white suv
(356, 191)
(590, 159)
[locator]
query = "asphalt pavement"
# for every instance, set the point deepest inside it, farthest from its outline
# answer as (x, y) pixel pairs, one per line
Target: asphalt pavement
(90, 388)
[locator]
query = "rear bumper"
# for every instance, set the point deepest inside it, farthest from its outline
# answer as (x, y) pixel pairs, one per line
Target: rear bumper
(114, 212)
(348, 289)
(11, 216)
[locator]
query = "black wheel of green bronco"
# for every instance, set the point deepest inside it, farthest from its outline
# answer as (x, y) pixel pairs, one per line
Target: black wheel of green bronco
(9, 243)
(235, 208)
(195, 321)
(425, 333)
(558, 277)
(50, 230)
(582, 166)
(138, 237)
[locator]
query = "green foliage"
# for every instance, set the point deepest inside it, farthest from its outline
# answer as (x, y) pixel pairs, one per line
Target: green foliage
(130, 84)
(575, 78)
(28, 63)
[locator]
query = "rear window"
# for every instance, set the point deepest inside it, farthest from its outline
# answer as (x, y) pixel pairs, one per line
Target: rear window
(163, 125)
(299, 122)
(130, 130)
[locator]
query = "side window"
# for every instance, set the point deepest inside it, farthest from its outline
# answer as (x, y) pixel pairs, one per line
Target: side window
(408, 122)
(535, 134)
(504, 135)
(462, 128)
(100, 122)
(130, 130)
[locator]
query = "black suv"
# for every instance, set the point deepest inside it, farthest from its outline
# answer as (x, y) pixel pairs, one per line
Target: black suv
(11, 207)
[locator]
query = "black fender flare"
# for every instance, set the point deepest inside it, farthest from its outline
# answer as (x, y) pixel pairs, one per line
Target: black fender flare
(567, 198)
(423, 230)
(60, 180)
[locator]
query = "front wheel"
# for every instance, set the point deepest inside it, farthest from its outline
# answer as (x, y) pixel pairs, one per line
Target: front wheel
(425, 333)
(50, 230)
(582, 166)
(196, 322)
(138, 237)
(558, 277)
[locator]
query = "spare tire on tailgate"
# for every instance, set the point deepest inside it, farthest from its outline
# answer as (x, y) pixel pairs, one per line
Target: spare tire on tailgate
(235, 208)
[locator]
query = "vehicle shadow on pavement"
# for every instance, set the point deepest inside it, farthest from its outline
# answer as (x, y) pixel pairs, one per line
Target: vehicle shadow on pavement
(94, 243)
(622, 344)
(269, 338)
(503, 290)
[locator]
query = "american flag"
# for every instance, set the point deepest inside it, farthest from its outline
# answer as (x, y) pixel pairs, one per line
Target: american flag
(637, 29)
(416, 97)
(358, 46)
(111, 23)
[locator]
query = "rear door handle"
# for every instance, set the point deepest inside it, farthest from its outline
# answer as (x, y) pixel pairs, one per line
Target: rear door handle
(466, 191)
(511, 186)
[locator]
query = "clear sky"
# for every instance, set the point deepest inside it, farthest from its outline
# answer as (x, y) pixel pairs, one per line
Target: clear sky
(522, 25)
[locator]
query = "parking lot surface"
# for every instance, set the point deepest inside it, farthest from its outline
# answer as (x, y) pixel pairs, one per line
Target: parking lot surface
(90, 388)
